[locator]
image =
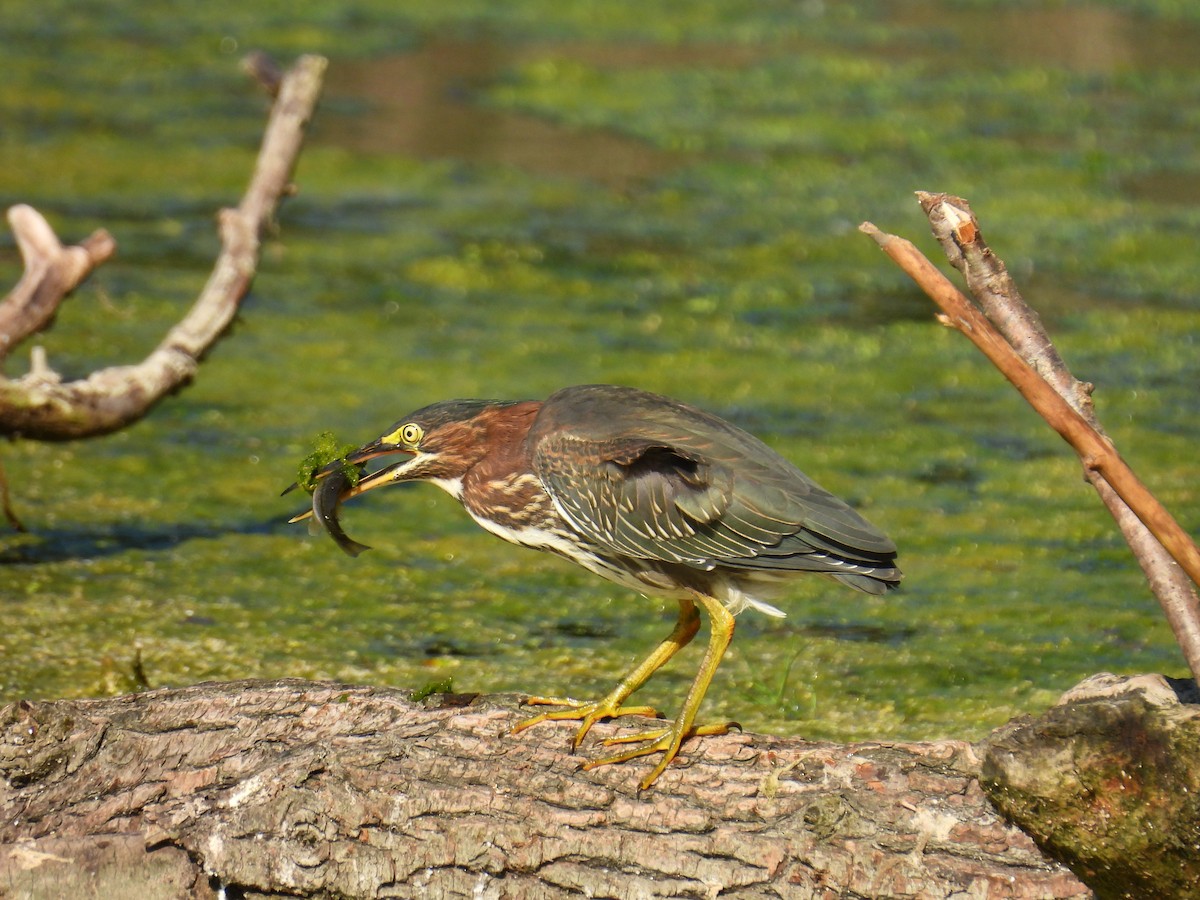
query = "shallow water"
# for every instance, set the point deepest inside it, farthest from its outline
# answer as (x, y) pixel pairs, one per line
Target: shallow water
(521, 201)
(421, 104)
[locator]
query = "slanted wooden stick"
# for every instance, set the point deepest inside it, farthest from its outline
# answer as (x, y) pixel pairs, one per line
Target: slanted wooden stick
(1147, 522)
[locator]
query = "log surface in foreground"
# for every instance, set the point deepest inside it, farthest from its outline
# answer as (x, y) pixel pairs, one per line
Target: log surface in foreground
(319, 789)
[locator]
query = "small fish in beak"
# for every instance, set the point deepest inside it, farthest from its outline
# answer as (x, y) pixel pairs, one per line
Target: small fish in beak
(340, 480)
(328, 496)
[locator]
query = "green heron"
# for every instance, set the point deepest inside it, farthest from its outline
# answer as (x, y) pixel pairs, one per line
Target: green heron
(647, 492)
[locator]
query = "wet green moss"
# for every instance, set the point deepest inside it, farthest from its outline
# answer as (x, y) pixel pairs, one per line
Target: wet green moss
(326, 449)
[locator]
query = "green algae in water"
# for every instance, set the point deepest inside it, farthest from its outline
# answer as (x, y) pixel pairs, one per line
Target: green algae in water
(440, 686)
(732, 278)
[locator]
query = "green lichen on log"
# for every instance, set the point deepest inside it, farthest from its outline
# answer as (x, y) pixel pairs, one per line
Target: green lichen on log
(1108, 782)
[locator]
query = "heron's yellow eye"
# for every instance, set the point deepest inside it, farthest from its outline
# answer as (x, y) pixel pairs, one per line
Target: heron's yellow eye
(408, 435)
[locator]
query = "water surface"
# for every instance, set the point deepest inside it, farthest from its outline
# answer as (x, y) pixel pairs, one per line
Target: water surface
(667, 198)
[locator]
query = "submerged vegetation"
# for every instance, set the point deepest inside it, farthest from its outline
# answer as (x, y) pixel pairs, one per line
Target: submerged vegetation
(666, 199)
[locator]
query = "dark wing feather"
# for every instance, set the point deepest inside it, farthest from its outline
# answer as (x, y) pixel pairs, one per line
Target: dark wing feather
(655, 479)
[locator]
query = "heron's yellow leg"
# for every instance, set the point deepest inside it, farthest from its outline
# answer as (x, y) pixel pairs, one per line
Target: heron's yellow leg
(667, 741)
(588, 713)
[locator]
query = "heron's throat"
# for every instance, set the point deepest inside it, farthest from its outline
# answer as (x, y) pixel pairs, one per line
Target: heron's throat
(452, 486)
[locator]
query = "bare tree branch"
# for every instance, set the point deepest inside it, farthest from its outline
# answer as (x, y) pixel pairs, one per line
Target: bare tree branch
(958, 231)
(51, 272)
(40, 405)
(1041, 377)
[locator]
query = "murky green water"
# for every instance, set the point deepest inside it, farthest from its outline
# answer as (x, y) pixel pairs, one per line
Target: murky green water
(501, 199)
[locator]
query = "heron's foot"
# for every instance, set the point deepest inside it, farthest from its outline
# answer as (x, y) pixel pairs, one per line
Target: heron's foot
(586, 712)
(666, 741)
(657, 733)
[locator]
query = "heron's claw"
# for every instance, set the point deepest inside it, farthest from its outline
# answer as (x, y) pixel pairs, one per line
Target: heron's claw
(666, 741)
(658, 733)
(586, 712)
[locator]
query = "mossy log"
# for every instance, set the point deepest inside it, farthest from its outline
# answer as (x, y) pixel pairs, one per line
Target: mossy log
(298, 788)
(1108, 782)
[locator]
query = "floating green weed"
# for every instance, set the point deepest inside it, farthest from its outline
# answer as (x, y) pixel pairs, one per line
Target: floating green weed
(731, 276)
(326, 449)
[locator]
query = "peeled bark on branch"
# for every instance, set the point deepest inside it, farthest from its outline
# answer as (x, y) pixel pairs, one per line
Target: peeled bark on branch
(40, 405)
(1025, 356)
(331, 790)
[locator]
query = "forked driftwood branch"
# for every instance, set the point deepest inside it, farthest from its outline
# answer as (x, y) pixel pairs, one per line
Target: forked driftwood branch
(1023, 352)
(52, 271)
(40, 404)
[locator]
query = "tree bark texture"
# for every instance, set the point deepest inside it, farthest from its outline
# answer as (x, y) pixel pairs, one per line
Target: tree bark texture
(1108, 781)
(310, 789)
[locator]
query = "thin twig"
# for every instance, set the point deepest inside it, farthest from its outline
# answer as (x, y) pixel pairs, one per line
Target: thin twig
(1095, 451)
(10, 515)
(958, 231)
